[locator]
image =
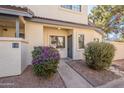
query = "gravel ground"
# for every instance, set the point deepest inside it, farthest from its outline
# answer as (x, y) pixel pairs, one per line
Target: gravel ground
(95, 78)
(119, 64)
(28, 80)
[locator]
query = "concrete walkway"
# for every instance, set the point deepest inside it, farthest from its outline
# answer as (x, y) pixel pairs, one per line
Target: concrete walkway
(119, 83)
(71, 78)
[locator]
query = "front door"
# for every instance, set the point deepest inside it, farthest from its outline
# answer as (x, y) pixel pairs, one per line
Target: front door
(70, 46)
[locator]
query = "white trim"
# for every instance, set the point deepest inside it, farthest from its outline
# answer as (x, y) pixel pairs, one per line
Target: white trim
(49, 40)
(77, 41)
(70, 11)
(12, 39)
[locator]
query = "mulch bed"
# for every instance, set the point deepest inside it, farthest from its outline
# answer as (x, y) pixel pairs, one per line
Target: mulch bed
(95, 78)
(28, 80)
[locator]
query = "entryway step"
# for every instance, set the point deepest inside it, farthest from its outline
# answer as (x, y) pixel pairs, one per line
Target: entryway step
(71, 78)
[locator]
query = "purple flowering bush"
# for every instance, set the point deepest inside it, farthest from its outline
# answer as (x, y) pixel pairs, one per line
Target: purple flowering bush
(45, 61)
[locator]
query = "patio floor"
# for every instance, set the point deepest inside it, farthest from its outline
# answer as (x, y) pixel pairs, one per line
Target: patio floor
(28, 80)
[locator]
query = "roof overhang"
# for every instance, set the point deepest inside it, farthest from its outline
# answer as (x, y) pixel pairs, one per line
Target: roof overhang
(15, 12)
(65, 23)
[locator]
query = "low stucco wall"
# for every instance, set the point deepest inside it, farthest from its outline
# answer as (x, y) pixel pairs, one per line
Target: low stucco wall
(119, 53)
(12, 60)
(24, 55)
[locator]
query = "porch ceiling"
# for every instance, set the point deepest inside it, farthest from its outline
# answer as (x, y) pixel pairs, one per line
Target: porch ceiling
(9, 23)
(57, 27)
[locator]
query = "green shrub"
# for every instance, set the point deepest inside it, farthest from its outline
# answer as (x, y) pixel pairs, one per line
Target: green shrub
(99, 55)
(45, 61)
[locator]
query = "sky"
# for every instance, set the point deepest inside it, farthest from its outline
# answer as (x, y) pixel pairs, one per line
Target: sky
(90, 7)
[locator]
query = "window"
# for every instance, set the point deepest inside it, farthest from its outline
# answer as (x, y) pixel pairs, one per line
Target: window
(57, 41)
(96, 39)
(80, 41)
(15, 45)
(76, 8)
(67, 6)
(21, 35)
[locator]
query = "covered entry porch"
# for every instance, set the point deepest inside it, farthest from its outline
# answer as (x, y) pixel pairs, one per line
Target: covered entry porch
(60, 38)
(13, 46)
(12, 27)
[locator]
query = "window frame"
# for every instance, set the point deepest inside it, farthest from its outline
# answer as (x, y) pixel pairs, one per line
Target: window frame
(96, 40)
(72, 8)
(78, 42)
(21, 35)
(50, 43)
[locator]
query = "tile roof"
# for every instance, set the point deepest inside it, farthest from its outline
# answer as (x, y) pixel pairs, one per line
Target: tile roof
(27, 10)
(66, 23)
(18, 8)
(62, 21)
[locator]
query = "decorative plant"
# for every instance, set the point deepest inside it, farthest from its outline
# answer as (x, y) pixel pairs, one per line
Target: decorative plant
(99, 55)
(45, 61)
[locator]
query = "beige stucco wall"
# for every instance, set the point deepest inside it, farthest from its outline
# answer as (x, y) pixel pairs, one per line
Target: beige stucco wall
(56, 12)
(89, 36)
(12, 60)
(119, 46)
(48, 31)
(37, 35)
(34, 35)
(97, 35)
(24, 56)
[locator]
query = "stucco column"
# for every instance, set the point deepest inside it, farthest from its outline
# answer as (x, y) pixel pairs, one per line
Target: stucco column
(74, 42)
(17, 28)
(34, 35)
